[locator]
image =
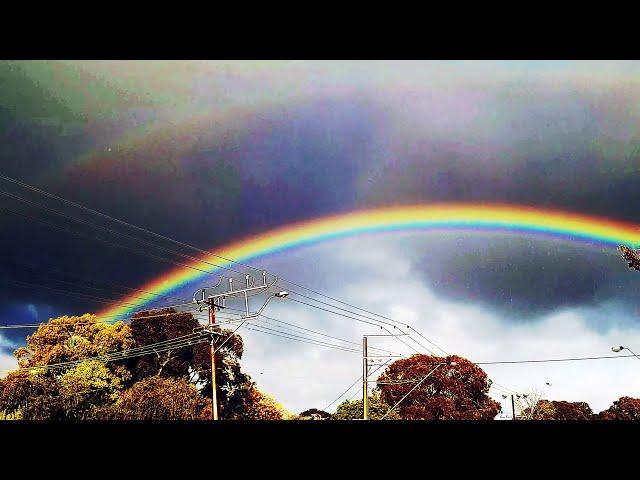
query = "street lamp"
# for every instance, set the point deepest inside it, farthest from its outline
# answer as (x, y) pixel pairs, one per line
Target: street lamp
(620, 348)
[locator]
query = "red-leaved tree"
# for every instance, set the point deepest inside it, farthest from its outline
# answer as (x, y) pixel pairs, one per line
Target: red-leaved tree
(451, 392)
(626, 408)
(631, 256)
(557, 410)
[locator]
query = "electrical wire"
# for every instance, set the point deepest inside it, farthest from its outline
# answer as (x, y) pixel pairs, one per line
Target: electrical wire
(364, 321)
(294, 336)
(109, 230)
(128, 236)
(158, 347)
(122, 222)
(318, 333)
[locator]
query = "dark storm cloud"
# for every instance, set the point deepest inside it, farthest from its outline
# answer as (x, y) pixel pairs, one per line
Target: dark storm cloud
(553, 145)
(20, 313)
(527, 144)
(278, 170)
(525, 278)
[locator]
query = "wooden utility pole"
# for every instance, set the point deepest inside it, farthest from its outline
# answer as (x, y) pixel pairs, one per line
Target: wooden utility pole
(513, 408)
(365, 375)
(218, 301)
(214, 385)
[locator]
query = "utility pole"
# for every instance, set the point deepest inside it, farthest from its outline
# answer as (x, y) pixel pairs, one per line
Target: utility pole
(214, 384)
(365, 370)
(218, 300)
(513, 408)
(365, 375)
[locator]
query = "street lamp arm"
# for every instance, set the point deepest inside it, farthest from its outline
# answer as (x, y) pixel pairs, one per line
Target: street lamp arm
(620, 348)
(627, 348)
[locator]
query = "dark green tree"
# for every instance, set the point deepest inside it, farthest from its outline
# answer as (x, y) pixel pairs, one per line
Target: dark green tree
(192, 363)
(314, 414)
(353, 409)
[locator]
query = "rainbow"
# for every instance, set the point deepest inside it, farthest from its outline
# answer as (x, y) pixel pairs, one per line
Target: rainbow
(435, 217)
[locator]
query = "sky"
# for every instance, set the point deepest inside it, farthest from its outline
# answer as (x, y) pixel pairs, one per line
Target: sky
(211, 152)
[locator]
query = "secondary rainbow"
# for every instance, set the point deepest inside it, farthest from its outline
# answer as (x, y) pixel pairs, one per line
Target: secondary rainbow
(433, 217)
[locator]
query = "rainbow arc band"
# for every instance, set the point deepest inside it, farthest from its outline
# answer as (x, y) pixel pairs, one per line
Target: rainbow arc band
(446, 217)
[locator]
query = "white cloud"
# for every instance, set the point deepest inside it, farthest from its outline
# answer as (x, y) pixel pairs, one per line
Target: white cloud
(33, 311)
(7, 361)
(374, 275)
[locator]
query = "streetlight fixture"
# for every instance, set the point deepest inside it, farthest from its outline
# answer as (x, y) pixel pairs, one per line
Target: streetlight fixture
(620, 348)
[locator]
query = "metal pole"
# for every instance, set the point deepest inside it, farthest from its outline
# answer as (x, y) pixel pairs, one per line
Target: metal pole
(633, 353)
(513, 408)
(214, 386)
(365, 374)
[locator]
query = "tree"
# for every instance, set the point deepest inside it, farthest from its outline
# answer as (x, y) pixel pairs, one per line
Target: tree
(156, 326)
(174, 383)
(157, 398)
(353, 409)
(31, 395)
(532, 406)
(450, 392)
(571, 410)
(78, 390)
(192, 363)
(625, 408)
(89, 390)
(314, 414)
(631, 256)
(65, 339)
(557, 410)
(260, 406)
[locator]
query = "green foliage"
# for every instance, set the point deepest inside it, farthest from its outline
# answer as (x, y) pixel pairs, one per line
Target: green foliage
(65, 339)
(11, 416)
(88, 390)
(193, 363)
(157, 398)
(353, 409)
(168, 385)
(314, 414)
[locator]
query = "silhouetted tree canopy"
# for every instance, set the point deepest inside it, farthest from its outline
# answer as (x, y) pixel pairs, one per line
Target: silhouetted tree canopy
(315, 414)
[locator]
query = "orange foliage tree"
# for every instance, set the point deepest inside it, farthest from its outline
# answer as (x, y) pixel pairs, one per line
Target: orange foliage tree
(626, 408)
(558, 410)
(451, 392)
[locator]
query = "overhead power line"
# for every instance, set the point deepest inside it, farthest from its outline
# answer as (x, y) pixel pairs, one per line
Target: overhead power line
(551, 360)
(183, 244)
(82, 207)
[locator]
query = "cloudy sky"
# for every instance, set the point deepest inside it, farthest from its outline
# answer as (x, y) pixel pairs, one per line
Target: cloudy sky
(210, 152)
